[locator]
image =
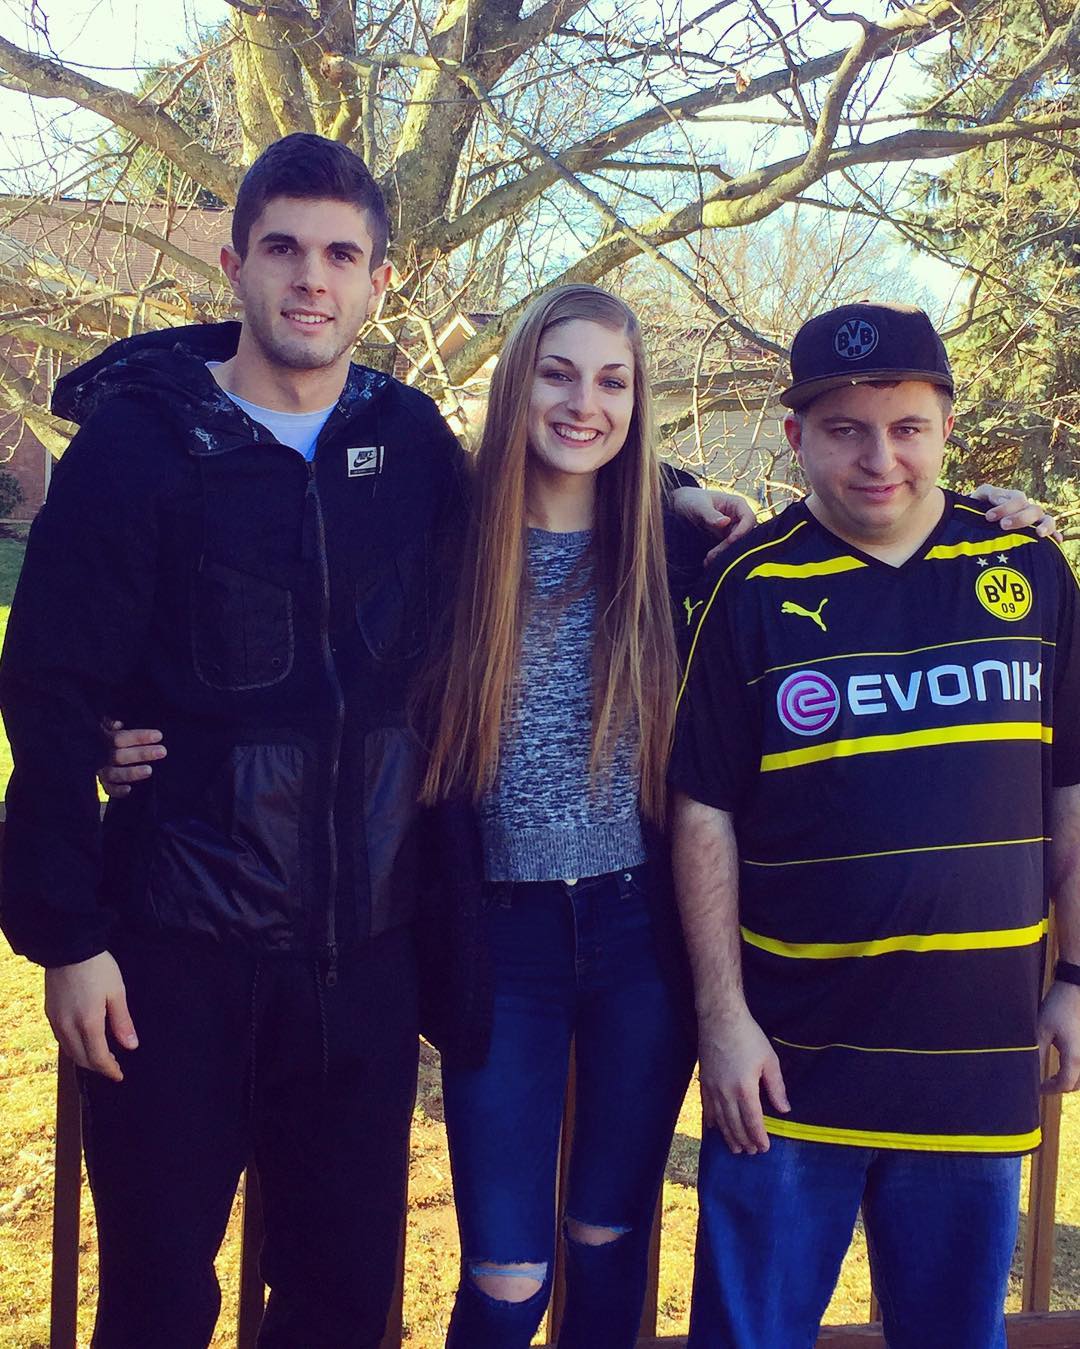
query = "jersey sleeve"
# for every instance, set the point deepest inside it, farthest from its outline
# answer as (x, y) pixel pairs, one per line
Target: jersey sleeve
(1066, 752)
(717, 739)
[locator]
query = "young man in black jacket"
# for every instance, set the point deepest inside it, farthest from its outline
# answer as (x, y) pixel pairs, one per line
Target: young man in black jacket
(240, 547)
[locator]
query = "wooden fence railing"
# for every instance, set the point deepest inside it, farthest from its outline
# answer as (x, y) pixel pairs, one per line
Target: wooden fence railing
(1034, 1328)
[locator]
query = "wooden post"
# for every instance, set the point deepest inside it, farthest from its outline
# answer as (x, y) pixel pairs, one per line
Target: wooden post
(67, 1189)
(875, 1309)
(395, 1321)
(252, 1289)
(558, 1279)
(1042, 1192)
(1042, 1205)
(647, 1329)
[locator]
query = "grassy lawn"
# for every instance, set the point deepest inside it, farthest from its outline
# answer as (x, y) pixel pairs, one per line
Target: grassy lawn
(11, 556)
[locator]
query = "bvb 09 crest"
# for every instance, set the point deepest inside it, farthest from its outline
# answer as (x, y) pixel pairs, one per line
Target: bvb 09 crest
(1004, 592)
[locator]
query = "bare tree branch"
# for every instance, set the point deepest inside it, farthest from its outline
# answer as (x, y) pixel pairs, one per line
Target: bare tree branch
(503, 201)
(77, 345)
(17, 394)
(294, 13)
(123, 225)
(721, 210)
(526, 142)
(613, 220)
(1064, 40)
(49, 79)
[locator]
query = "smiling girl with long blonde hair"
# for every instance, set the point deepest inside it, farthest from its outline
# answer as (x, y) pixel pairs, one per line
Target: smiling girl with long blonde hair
(555, 715)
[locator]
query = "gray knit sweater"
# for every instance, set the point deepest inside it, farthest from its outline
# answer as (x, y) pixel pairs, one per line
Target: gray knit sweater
(546, 818)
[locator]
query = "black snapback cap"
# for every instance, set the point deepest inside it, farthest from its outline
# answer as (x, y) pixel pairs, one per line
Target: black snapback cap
(861, 342)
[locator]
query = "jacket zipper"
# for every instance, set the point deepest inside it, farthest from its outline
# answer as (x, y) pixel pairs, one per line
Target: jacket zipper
(330, 952)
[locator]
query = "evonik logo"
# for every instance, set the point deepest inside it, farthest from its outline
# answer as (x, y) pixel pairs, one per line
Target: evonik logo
(808, 702)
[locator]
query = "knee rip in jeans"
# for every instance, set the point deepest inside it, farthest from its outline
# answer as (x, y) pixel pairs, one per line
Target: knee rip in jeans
(507, 1282)
(587, 1234)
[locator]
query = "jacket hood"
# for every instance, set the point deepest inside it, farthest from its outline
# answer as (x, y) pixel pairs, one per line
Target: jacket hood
(169, 366)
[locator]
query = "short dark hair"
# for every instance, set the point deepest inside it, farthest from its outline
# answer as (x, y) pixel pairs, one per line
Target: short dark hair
(305, 165)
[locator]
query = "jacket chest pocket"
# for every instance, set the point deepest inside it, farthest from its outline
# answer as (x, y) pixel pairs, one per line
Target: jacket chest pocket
(241, 629)
(392, 608)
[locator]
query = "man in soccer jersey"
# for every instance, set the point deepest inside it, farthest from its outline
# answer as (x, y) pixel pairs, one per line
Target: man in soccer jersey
(879, 733)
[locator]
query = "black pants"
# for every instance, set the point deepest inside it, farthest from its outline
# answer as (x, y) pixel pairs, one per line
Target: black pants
(243, 1059)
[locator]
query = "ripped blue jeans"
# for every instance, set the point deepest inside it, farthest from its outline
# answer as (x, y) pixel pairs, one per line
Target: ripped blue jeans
(572, 963)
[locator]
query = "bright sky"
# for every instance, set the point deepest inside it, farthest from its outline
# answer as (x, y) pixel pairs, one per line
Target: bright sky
(110, 40)
(109, 37)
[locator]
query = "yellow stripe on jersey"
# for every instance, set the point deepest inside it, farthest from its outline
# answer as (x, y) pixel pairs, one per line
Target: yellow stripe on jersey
(866, 1138)
(1000, 543)
(890, 744)
(882, 1049)
(896, 852)
(772, 543)
(912, 651)
(792, 571)
(919, 943)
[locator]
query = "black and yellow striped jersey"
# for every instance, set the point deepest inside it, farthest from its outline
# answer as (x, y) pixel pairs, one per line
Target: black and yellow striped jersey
(887, 740)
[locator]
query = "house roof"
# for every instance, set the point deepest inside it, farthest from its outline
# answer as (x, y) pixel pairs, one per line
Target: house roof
(78, 232)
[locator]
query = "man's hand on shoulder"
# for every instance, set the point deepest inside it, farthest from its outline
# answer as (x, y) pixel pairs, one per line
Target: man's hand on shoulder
(1011, 509)
(736, 1058)
(79, 1000)
(1059, 1025)
(725, 515)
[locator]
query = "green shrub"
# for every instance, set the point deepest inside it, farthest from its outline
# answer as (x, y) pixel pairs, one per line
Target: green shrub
(11, 494)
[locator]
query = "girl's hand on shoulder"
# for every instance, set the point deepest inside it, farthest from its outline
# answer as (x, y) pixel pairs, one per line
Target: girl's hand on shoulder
(131, 756)
(1011, 509)
(726, 515)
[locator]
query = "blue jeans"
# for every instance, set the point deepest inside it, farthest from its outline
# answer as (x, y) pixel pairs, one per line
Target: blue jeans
(773, 1230)
(570, 963)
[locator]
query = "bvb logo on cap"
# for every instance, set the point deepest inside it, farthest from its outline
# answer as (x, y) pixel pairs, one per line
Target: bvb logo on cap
(855, 339)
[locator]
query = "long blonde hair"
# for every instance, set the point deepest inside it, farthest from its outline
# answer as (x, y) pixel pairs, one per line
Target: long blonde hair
(634, 662)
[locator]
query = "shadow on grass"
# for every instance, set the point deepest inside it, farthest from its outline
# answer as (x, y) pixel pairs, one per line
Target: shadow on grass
(429, 1084)
(683, 1161)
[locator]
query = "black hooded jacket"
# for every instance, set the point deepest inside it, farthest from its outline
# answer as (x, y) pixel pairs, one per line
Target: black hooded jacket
(190, 573)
